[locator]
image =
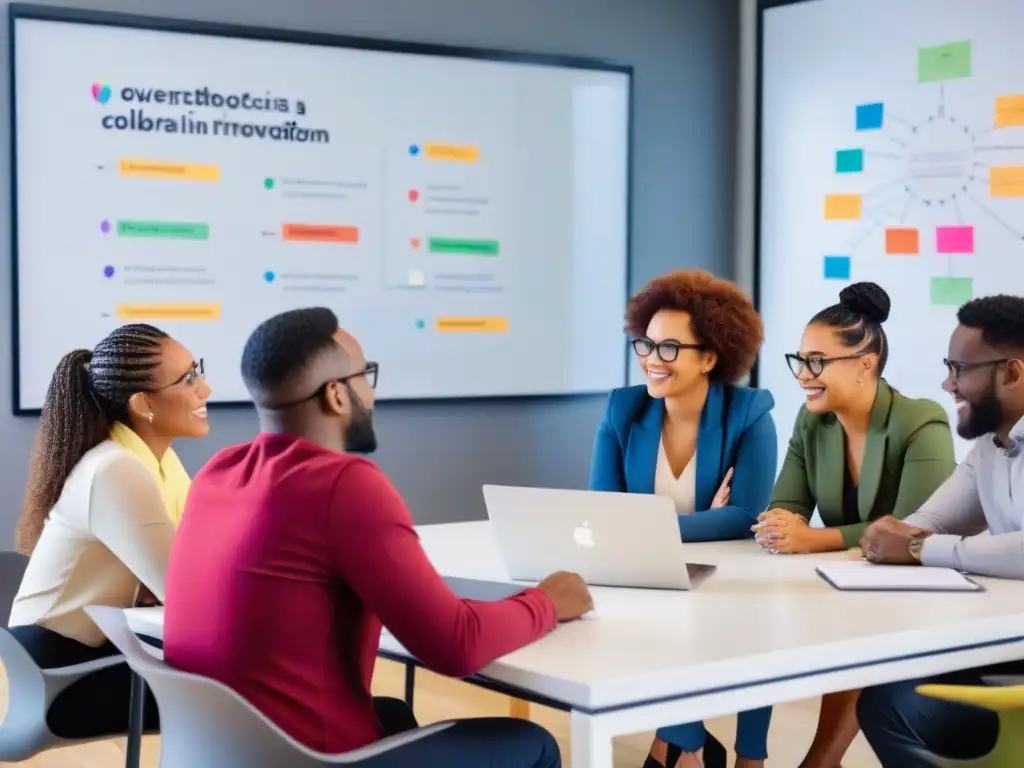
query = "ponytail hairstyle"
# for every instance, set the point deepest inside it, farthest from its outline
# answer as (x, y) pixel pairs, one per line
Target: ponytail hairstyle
(88, 393)
(857, 319)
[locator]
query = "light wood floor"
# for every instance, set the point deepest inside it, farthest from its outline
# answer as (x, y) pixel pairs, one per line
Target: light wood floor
(440, 698)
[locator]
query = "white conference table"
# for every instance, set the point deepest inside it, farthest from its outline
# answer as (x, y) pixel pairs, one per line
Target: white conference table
(764, 629)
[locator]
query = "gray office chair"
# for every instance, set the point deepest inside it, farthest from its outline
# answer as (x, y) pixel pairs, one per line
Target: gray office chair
(205, 724)
(31, 690)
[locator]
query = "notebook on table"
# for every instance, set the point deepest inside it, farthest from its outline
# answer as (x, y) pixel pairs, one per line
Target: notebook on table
(865, 577)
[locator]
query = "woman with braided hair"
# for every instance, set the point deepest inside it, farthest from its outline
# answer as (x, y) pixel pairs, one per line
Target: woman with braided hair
(105, 491)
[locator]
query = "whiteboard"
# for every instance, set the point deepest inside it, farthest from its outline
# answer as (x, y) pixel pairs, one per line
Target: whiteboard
(463, 212)
(891, 150)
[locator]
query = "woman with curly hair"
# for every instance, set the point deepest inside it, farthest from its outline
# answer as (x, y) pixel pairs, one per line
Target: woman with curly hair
(690, 433)
(860, 451)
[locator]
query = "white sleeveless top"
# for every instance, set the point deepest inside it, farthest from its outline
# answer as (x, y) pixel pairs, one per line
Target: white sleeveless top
(683, 489)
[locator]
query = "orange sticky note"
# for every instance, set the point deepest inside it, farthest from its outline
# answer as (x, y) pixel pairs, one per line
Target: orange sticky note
(1009, 111)
(843, 206)
(1006, 181)
(904, 240)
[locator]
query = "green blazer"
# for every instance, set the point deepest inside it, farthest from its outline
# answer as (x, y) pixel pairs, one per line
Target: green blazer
(909, 453)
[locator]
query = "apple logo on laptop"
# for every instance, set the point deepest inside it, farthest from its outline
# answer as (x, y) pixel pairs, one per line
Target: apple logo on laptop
(583, 535)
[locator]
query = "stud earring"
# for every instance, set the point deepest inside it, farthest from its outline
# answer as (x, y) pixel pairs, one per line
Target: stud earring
(150, 417)
(860, 382)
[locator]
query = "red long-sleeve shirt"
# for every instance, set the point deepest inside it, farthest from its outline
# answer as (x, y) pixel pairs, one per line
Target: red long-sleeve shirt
(288, 559)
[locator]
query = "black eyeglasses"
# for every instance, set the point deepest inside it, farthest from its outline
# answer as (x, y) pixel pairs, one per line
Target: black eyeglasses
(954, 367)
(190, 377)
(817, 363)
(369, 373)
(668, 350)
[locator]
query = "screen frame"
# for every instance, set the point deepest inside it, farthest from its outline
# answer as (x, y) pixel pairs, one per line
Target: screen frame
(763, 6)
(19, 11)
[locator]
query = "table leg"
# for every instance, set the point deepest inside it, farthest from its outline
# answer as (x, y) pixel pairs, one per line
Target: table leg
(590, 748)
(136, 718)
(410, 683)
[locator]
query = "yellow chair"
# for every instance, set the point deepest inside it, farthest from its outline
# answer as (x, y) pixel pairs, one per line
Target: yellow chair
(1007, 701)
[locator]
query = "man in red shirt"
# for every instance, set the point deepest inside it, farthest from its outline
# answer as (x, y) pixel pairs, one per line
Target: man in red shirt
(292, 552)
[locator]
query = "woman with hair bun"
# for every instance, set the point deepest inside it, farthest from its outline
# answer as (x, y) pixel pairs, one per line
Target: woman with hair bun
(860, 451)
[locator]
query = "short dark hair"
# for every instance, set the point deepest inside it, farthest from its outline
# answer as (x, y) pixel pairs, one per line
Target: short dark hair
(283, 347)
(722, 317)
(88, 392)
(999, 318)
(857, 319)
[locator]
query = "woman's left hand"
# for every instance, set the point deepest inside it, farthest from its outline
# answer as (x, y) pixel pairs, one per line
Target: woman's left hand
(724, 492)
(783, 532)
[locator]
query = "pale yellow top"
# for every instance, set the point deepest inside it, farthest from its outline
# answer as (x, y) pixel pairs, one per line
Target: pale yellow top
(109, 531)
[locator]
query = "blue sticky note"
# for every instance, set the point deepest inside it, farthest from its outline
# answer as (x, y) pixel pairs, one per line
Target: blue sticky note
(869, 116)
(849, 160)
(837, 267)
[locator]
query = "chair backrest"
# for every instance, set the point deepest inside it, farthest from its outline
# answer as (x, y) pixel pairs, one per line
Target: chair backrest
(12, 569)
(203, 723)
(24, 677)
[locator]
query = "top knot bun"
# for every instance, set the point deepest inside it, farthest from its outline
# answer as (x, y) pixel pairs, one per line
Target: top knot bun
(866, 299)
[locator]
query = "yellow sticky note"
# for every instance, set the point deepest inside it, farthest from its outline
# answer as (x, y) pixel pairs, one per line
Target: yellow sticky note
(843, 206)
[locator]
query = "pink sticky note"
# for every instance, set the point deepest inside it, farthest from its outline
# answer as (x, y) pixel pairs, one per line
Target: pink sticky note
(959, 239)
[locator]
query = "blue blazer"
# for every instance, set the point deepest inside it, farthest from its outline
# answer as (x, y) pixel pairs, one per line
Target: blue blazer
(736, 430)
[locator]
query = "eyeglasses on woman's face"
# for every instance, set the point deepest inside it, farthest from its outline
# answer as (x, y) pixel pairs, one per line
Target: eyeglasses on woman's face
(815, 364)
(190, 378)
(668, 350)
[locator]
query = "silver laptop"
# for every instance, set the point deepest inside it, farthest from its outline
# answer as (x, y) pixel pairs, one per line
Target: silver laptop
(610, 539)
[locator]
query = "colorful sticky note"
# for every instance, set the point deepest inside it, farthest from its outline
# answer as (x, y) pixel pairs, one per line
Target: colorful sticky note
(869, 116)
(1006, 181)
(843, 206)
(952, 291)
(944, 62)
(958, 239)
(1009, 111)
(902, 240)
(837, 267)
(849, 160)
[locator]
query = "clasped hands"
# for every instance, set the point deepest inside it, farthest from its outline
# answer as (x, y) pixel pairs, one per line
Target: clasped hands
(780, 531)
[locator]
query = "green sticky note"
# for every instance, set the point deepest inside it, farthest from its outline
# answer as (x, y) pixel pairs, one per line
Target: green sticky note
(178, 230)
(952, 291)
(944, 62)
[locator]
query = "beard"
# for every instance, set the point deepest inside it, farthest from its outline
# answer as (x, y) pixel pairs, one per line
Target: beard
(360, 437)
(985, 416)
